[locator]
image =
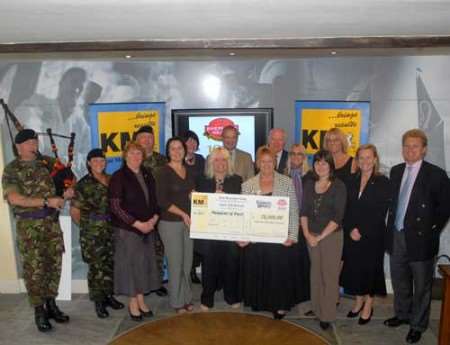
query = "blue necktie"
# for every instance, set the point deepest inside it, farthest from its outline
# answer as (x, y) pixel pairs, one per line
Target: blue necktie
(403, 200)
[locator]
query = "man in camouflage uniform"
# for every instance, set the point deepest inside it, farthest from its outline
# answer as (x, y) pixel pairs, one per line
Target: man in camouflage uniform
(29, 189)
(89, 209)
(153, 160)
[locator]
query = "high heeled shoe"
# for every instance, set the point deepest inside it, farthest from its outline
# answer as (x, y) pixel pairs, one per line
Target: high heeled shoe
(135, 317)
(363, 321)
(146, 313)
(278, 316)
(352, 314)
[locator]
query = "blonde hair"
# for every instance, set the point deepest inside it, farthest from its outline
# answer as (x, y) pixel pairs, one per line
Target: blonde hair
(265, 150)
(373, 148)
(305, 165)
(415, 133)
(133, 145)
(214, 153)
(342, 138)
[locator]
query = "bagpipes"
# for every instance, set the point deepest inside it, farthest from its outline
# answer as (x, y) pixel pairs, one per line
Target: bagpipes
(62, 175)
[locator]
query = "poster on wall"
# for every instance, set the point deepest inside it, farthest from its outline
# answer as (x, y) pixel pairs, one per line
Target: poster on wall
(113, 125)
(315, 118)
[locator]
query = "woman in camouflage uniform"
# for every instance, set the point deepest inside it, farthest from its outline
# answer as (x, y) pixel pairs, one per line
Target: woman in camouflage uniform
(89, 209)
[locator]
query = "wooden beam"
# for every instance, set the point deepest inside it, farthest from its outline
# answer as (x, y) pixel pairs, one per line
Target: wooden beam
(282, 43)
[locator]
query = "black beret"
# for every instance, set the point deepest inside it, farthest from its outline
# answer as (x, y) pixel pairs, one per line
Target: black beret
(145, 129)
(95, 153)
(24, 135)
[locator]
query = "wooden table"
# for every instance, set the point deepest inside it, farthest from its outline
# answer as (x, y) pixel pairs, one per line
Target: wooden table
(444, 328)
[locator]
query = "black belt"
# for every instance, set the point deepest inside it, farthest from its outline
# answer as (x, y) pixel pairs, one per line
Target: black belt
(39, 214)
(94, 216)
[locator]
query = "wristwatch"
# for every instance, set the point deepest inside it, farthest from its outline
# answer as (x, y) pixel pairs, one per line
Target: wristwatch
(45, 202)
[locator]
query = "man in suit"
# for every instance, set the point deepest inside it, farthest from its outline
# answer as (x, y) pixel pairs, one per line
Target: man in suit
(277, 141)
(418, 213)
(242, 161)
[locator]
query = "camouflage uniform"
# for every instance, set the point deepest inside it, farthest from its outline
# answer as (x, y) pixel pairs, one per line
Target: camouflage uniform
(96, 236)
(39, 236)
(152, 163)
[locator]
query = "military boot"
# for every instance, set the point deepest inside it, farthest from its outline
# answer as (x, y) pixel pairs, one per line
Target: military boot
(113, 303)
(101, 310)
(54, 313)
(41, 320)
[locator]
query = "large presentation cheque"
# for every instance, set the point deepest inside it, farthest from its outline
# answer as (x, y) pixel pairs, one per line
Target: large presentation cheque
(237, 217)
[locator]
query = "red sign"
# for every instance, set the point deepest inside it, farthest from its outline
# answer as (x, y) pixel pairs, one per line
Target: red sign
(213, 130)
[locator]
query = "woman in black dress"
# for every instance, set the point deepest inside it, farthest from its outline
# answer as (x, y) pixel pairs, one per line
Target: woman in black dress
(221, 259)
(364, 228)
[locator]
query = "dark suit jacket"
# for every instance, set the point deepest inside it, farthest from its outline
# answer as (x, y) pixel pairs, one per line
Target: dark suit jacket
(283, 162)
(427, 212)
(231, 185)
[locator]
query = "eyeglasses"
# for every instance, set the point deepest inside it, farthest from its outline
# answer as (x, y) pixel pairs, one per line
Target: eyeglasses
(300, 154)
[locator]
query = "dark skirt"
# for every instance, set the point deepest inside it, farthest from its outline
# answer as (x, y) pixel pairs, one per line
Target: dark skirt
(363, 269)
(135, 265)
(221, 269)
(273, 277)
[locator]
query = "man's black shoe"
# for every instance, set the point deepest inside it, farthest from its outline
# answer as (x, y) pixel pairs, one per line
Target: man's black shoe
(113, 303)
(195, 279)
(395, 322)
(161, 292)
(41, 320)
(413, 336)
(100, 310)
(53, 312)
(324, 325)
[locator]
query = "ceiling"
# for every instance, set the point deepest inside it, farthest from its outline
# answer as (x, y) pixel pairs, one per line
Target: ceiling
(204, 28)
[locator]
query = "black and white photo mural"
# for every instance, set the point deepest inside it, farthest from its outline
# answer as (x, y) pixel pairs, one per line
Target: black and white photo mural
(405, 92)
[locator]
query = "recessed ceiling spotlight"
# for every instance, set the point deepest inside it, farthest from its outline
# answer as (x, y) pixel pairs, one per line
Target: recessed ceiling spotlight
(232, 53)
(333, 52)
(128, 56)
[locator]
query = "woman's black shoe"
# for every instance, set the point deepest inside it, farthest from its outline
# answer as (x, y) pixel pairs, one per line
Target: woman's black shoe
(161, 292)
(352, 315)
(362, 321)
(324, 325)
(146, 313)
(113, 303)
(100, 310)
(278, 316)
(135, 317)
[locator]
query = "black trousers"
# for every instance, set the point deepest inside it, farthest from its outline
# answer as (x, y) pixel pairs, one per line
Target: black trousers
(221, 268)
(412, 282)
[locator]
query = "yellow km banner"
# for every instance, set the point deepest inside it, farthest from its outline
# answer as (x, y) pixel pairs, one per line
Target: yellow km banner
(314, 119)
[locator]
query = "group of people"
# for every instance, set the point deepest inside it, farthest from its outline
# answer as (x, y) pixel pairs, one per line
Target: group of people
(344, 214)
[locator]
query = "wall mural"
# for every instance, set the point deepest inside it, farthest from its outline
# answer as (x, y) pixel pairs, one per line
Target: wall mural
(404, 92)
